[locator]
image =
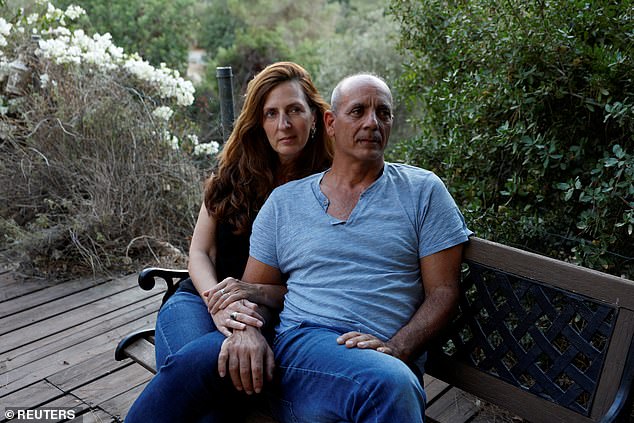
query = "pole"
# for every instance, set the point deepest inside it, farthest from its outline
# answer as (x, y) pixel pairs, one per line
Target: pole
(225, 89)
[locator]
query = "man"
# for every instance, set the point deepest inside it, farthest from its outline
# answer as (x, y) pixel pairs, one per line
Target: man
(371, 253)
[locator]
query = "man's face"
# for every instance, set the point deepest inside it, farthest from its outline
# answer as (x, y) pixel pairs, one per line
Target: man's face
(361, 125)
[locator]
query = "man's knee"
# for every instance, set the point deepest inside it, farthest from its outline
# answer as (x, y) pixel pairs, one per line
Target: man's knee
(398, 377)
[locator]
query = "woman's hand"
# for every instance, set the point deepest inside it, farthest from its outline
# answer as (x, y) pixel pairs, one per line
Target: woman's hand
(236, 316)
(228, 291)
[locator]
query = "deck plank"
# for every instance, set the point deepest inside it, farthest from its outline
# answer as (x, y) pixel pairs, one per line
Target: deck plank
(61, 322)
(51, 309)
(47, 294)
(77, 334)
(15, 288)
(119, 405)
(88, 371)
(34, 395)
(453, 407)
(105, 389)
(46, 366)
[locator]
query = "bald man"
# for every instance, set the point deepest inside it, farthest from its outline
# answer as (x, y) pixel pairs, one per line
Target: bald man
(370, 253)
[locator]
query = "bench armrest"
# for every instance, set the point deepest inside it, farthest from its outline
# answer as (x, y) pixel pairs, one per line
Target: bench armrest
(620, 409)
(147, 279)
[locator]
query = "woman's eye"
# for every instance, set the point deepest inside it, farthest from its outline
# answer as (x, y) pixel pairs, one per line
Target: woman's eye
(269, 114)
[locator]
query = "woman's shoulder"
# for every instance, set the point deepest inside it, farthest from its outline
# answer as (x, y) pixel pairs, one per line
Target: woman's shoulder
(293, 190)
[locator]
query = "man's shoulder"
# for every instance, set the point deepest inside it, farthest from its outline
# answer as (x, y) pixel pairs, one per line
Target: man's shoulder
(410, 174)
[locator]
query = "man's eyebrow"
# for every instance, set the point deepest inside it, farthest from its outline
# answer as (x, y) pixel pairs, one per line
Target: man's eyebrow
(356, 105)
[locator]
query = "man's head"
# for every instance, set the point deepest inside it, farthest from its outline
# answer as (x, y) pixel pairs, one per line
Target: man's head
(360, 118)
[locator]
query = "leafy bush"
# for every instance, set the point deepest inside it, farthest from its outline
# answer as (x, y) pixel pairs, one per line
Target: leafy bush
(529, 117)
(160, 31)
(98, 162)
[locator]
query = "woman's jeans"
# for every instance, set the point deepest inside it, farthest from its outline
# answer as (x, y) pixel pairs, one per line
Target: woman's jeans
(182, 319)
(316, 380)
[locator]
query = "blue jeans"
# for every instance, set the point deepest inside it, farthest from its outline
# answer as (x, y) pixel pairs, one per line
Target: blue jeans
(186, 342)
(322, 381)
(182, 319)
(316, 380)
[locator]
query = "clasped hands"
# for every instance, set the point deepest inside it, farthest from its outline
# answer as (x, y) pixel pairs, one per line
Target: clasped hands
(230, 307)
(245, 353)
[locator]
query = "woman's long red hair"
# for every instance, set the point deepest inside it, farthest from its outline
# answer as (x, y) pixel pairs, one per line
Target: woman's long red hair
(248, 168)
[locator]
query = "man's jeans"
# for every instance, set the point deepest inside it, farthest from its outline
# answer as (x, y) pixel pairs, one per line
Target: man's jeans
(322, 381)
(316, 380)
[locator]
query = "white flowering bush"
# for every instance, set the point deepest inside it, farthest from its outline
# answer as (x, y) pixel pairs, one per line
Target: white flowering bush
(101, 165)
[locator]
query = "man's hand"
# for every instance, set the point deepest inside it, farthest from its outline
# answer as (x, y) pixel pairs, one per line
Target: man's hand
(249, 359)
(365, 341)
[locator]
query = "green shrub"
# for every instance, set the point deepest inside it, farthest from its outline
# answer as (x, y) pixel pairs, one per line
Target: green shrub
(529, 118)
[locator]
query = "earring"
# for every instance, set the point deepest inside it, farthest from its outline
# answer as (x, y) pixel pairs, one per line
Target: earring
(312, 132)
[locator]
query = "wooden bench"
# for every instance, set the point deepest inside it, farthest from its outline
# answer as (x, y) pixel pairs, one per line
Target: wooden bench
(545, 340)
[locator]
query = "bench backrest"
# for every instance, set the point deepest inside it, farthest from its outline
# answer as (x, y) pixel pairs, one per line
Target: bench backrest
(544, 339)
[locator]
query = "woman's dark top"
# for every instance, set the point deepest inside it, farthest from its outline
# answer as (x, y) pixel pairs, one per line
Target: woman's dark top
(232, 253)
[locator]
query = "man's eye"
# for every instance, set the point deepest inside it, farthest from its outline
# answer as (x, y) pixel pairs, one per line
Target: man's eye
(385, 114)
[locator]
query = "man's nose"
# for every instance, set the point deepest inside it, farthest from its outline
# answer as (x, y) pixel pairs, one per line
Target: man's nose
(371, 120)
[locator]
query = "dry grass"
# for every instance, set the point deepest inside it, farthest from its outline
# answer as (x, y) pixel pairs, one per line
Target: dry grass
(87, 183)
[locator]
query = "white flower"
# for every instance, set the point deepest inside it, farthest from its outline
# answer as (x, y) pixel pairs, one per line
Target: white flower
(171, 140)
(73, 12)
(5, 27)
(167, 81)
(32, 18)
(207, 148)
(54, 13)
(44, 80)
(163, 112)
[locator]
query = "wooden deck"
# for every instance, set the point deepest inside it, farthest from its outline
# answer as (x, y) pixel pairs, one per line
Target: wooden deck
(57, 342)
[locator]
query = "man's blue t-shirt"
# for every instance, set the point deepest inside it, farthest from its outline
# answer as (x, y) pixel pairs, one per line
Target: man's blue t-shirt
(364, 273)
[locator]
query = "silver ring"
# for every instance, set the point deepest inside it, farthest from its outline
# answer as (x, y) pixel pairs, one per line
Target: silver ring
(234, 315)
(222, 291)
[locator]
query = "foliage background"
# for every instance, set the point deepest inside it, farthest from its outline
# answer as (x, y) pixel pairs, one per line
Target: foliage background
(529, 118)
(525, 109)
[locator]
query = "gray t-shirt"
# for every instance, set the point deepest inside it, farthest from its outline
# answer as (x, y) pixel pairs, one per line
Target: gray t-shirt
(364, 273)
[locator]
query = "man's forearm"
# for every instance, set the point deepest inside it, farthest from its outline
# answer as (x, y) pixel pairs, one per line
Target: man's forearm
(431, 317)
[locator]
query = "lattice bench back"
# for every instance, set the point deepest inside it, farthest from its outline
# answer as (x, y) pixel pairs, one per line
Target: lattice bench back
(526, 331)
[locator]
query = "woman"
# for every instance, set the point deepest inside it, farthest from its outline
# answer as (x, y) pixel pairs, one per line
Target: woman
(279, 136)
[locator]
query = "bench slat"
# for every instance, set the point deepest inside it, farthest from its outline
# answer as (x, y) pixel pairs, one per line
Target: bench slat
(602, 286)
(142, 352)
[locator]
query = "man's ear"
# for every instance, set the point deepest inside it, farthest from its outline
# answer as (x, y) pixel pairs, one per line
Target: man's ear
(329, 123)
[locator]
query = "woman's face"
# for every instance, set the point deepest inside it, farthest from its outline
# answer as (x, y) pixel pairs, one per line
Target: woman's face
(287, 120)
